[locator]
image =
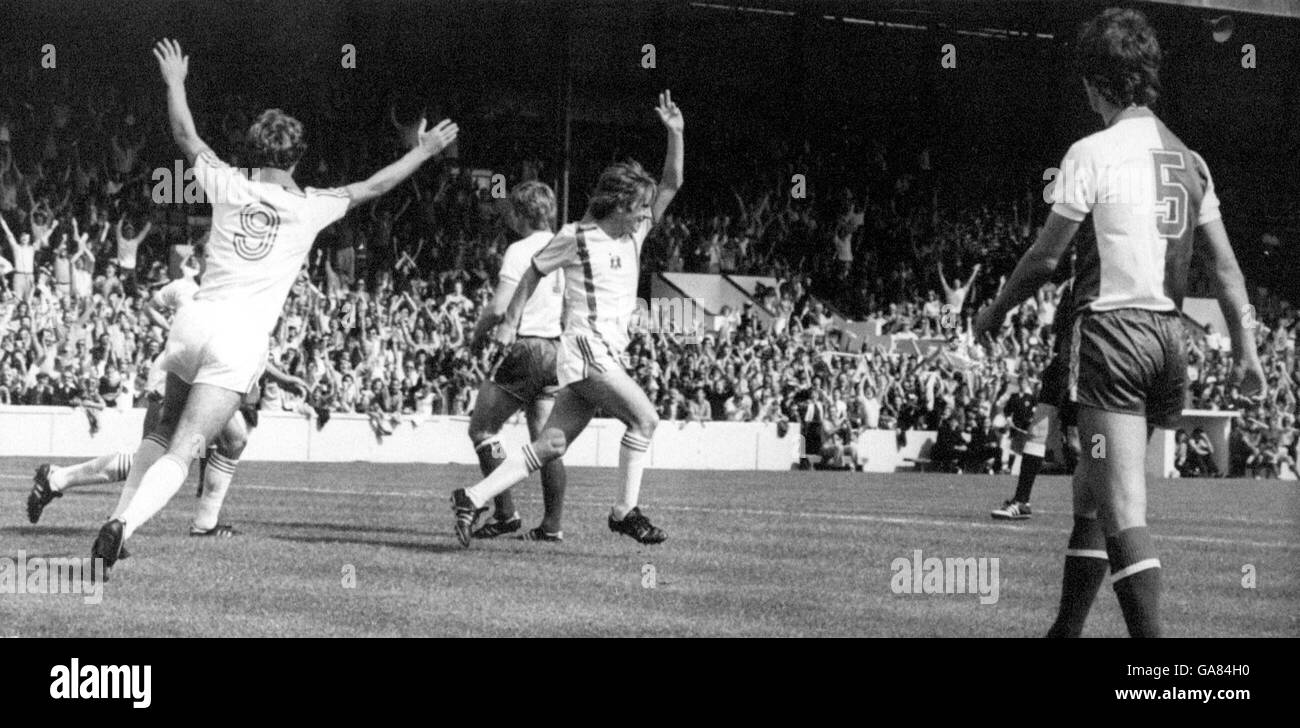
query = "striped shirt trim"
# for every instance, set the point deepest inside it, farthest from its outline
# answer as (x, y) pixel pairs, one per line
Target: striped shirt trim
(1088, 554)
(1132, 569)
(588, 279)
(589, 285)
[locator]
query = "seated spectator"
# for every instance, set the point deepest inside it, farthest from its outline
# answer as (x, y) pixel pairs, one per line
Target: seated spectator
(951, 446)
(985, 450)
(1200, 455)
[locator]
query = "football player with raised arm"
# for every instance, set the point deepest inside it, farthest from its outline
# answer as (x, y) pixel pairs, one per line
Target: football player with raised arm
(262, 230)
(601, 260)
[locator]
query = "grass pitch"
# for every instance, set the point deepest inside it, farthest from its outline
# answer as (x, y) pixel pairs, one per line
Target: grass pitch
(365, 550)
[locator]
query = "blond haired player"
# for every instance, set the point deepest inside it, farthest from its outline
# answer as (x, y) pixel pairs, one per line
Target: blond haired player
(601, 260)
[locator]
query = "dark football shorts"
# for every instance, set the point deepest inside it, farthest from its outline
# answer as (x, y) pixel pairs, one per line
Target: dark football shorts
(1131, 361)
(249, 405)
(528, 371)
(1055, 389)
(247, 408)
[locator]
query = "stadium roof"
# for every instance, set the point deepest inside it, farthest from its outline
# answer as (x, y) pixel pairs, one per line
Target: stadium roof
(996, 18)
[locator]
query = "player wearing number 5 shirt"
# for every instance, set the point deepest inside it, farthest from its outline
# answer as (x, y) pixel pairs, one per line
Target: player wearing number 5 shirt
(1150, 199)
(262, 230)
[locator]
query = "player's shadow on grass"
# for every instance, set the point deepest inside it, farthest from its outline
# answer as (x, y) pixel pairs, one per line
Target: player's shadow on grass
(341, 527)
(50, 531)
(420, 546)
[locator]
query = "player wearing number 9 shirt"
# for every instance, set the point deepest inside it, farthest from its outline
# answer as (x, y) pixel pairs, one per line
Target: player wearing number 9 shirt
(262, 230)
(1151, 199)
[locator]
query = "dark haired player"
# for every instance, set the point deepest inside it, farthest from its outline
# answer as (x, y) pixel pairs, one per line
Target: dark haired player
(600, 257)
(262, 230)
(526, 376)
(1149, 196)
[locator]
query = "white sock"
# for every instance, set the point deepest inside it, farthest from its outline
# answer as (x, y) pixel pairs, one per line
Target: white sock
(631, 464)
(216, 482)
(102, 470)
(151, 448)
(513, 469)
(158, 486)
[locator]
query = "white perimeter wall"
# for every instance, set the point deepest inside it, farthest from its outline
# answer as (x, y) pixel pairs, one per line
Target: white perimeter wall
(64, 432)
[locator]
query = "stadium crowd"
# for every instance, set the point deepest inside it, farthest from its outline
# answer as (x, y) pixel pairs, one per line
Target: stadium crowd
(378, 322)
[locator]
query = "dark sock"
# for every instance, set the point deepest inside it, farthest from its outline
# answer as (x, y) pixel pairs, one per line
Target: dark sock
(504, 506)
(1138, 591)
(490, 456)
(1029, 467)
(554, 480)
(1085, 570)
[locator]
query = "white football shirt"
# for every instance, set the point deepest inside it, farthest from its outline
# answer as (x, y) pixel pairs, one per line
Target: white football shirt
(600, 280)
(261, 234)
(1147, 193)
(543, 311)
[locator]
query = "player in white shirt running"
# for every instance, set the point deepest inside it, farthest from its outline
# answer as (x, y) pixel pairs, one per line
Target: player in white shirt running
(262, 231)
(526, 375)
(600, 257)
(219, 465)
(1151, 200)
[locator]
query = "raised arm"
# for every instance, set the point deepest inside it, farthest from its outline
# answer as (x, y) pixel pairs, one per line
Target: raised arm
(9, 235)
(144, 231)
(174, 67)
(429, 143)
(674, 159)
(83, 240)
(943, 280)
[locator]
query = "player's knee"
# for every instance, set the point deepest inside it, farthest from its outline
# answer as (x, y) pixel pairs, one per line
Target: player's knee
(232, 445)
(1128, 511)
(479, 435)
(189, 447)
(645, 424)
(552, 444)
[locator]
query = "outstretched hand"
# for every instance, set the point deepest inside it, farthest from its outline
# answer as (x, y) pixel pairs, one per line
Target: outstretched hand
(171, 62)
(669, 114)
(434, 140)
(504, 334)
(1249, 376)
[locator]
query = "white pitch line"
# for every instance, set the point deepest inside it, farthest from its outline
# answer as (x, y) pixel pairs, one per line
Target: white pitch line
(859, 517)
